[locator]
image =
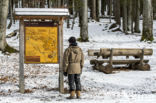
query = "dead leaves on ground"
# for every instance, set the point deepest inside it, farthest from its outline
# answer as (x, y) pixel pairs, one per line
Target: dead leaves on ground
(4, 79)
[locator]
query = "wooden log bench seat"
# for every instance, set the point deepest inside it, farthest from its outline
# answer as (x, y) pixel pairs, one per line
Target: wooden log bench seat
(138, 63)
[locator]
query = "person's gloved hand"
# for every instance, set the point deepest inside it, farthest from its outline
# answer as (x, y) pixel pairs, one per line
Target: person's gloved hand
(65, 73)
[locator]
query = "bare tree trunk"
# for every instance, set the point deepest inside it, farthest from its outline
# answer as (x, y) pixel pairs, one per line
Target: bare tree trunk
(147, 34)
(108, 7)
(25, 4)
(42, 4)
(99, 3)
(110, 10)
(59, 3)
(103, 7)
(130, 22)
(73, 6)
(94, 9)
(133, 15)
(30, 3)
(16, 3)
(80, 17)
(90, 7)
(84, 25)
(36, 3)
(125, 16)
(137, 17)
(74, 14)
(49, 3)
(11, 13)
(70, 4)
(154, 9)
(20, 3)
(117, 11)
(62, 3)
(3, 22)
(97, 10)
(68, 19)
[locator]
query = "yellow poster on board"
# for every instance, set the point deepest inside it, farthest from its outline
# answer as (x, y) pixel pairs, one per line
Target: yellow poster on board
(41, 45)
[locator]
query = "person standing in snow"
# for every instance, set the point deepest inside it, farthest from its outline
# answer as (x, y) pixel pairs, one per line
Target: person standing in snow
(73, 61)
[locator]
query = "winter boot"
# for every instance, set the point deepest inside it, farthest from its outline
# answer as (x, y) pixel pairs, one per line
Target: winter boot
(78, 94)
(72, 95)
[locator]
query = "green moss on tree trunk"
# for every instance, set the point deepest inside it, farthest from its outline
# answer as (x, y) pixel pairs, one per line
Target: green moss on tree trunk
(147, 35)
(83, 40)
(9, 50)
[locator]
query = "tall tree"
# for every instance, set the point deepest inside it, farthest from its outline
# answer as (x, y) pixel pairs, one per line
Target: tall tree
(3, 22)
(62, 2)
(68, 19)
(137, 17)
(25, 3)
(147, 34)
(117, 11)
(97, 10)
(103, 7)
(74, 14)
(70, 6)
(10, 13)
(124, 5)
(110, 10)
(16, 3)
(94, 9)
(99, 3)
(130, 20)
(42, 4)
(108, 7)
(59, 3)
(84, 23)
(154, 9)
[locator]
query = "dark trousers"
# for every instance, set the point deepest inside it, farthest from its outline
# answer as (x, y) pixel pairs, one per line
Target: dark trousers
(74, 79)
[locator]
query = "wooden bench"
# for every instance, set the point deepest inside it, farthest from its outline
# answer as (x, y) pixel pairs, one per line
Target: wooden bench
(138, 63)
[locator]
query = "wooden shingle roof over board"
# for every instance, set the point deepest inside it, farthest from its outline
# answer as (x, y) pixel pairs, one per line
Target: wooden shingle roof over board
(40, 13)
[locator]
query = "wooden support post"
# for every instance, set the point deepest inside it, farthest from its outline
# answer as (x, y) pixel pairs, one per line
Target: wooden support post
(111, 57)
(97, 66)
(142, 65)
(142, 57)
(61, 79)
(109, 68)
(21, 57)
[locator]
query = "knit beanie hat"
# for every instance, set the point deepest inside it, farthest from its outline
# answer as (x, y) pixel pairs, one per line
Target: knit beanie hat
(72, 40)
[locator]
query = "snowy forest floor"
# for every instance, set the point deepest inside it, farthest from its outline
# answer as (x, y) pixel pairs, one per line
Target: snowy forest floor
(41, 80)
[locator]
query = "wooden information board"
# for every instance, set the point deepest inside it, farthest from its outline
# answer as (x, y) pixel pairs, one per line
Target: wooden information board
(41, 43)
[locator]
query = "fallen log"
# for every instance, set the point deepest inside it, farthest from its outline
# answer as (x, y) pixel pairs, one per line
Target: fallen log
(108, 69)
(137, 66)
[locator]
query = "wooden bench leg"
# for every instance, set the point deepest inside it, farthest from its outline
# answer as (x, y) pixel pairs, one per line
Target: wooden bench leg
(96, 65)
(109, 68)
(105, 69)
(142, 66)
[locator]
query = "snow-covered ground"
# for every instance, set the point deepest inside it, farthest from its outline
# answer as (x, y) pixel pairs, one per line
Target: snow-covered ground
(41, 81)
